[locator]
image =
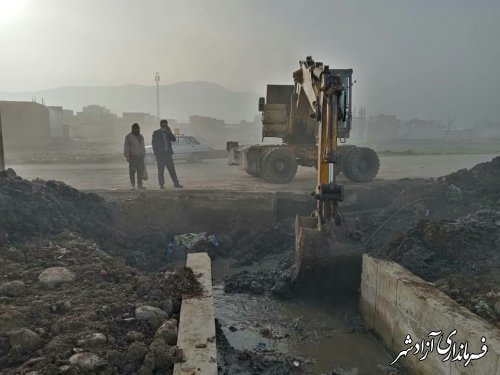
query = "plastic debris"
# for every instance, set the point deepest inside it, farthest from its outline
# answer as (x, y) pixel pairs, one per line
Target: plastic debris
(170, 249)
(261, 345)
(190, 240)
(213, 240)
(197, 241)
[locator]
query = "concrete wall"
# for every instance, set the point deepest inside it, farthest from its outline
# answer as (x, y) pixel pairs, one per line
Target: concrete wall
(394, 302)
(184, 211)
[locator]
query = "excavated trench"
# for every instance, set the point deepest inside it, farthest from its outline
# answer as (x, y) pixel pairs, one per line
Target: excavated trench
(290, 329)
(265, 324)
(278, 327)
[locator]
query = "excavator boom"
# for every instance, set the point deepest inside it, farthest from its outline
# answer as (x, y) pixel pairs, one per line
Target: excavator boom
(327, 96)
(321, 241)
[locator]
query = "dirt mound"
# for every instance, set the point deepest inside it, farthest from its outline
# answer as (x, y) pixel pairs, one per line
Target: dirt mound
(88, 323)
(461, 256)
(483, 177)
(30, 209)
(436, 249)
(250, 246)
(455, 195)
(276, 281)
(447, 231)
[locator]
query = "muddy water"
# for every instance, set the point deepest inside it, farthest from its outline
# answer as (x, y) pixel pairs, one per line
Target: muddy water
(328, 336)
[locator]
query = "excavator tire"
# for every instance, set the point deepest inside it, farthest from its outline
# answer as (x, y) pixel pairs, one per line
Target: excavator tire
(360, 164)
(278, 165)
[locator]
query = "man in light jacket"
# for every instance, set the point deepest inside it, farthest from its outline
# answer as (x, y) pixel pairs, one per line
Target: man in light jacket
(134, 151)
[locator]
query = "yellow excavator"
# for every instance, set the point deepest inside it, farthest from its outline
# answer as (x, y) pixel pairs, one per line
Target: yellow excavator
(291, 112)
(311, 117)
(326, 241)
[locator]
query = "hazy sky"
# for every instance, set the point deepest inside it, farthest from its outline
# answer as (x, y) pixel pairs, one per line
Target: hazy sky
(427, 58)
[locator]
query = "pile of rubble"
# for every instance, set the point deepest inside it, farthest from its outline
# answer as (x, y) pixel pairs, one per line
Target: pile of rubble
(68, 303)
(30, 209)
(461, 256)
(68, 307)
(449, 197)
(276, 281)
(249, 247)
(447, 231)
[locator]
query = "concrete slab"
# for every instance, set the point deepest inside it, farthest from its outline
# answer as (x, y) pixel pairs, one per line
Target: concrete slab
(197, 323)
(201, 265)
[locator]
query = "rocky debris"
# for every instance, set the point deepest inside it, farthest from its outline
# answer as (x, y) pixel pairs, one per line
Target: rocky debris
(459, 255)
(184, 279)
(435, 249)
(163, 354)
(87, 361)
(447, 231)
(57, 236)
(24, 340)
(93, 339)
(55, 276)
(449, 197)
(10, 319)
(14, 288)
(168, 332)
(153, 359)
(29, 209)
(95, 313)
(136, 352)
(275, 281)
(249, 246)
(153, 315)
(132, 336)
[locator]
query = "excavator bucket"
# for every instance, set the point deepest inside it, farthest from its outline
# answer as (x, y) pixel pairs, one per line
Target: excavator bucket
(327, 261)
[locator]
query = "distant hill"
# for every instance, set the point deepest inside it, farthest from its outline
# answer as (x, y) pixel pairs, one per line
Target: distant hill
(177, 101)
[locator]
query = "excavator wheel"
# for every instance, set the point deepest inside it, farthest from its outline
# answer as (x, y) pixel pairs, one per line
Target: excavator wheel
(278, 165)
(360, 164)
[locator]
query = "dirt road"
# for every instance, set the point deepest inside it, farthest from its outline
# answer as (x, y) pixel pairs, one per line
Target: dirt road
(215, 174)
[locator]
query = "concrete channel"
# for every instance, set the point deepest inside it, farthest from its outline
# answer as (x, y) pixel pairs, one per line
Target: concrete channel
(396, 303)
(393, 302)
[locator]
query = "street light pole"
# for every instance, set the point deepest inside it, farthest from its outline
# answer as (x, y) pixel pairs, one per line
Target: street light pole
(157, 80)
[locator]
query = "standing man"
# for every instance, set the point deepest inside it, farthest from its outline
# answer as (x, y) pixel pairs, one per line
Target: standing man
(162, 147)
(134, 151)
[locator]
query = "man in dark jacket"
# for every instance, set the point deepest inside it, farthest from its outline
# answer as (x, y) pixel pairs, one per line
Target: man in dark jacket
(134, 152)
(162, 147)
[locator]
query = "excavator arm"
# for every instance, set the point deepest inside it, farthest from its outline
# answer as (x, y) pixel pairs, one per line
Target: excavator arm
(326, 94)
(324, 255)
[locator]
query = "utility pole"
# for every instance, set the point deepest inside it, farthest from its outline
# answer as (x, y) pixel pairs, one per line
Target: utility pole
(157, 80)
(2, 155)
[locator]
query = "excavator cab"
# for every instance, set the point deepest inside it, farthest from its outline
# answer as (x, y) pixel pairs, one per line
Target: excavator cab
(345, 99)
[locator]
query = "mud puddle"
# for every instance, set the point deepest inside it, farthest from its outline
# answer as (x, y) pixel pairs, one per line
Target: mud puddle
(323, 338)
